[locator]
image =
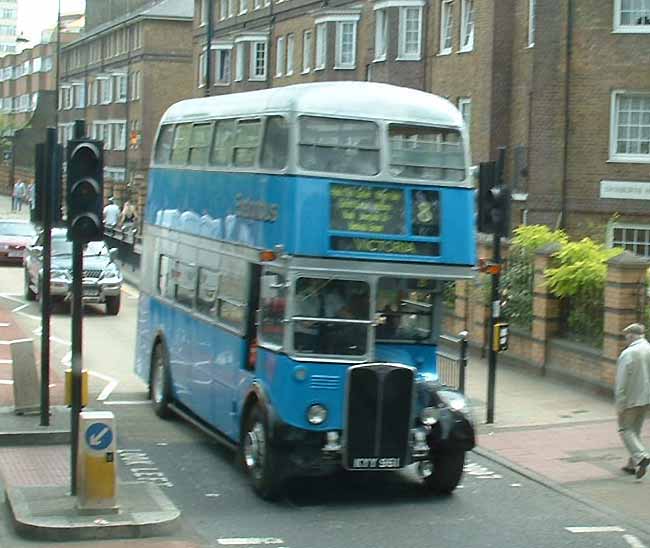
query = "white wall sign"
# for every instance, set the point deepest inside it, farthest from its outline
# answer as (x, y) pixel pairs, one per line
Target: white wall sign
(625, 190)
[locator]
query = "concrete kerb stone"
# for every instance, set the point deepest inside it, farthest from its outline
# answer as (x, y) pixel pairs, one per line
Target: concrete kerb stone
(48, 513)
(25, 430)
(624, 520)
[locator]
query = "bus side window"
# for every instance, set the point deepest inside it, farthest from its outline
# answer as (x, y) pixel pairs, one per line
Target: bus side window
(273, 301)
(185, 278)
(164, 144)
(224, 138)
(276, 143)
(231, 293)
(165, 277)
(247, 141)
(206, 298)
(200, 144)
(181, 145)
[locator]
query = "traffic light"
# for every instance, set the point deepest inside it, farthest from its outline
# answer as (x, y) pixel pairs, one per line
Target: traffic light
(494, 201)
(85, 190)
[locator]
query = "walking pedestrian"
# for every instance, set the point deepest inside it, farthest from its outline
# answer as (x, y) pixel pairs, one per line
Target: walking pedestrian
(14, 197)
(633, 397)
(21, 194)
(111, 213)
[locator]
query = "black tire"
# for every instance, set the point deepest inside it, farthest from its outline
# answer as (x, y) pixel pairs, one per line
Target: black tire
(160, 382)
(258, 456)
(113, 305)
(29, 294)
(446, 472)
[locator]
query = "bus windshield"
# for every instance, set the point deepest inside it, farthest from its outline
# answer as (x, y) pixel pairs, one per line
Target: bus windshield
(406, 309)
(331, 317)
(420, 152)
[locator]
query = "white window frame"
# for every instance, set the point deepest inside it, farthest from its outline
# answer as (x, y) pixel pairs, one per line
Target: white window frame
(279, 57)
(403, 55)
(223, 9)
(465, 107)
(82, 95)
(106, 98)
(627, 29)
(321, 46)
(627, 226)
(202, 69)
(621, 157)
(243, 7)
(240, 50)
(217, 64)
(446, 27)
(307, 50)
(532, 22)
(339, 62)
(381, 34)
(253, 77)
(257, 4)
(120, 84)
(203, 13)
(467, 33)
(291, 53)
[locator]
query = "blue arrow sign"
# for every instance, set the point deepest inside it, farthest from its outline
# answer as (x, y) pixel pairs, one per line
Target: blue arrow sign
(99, 436)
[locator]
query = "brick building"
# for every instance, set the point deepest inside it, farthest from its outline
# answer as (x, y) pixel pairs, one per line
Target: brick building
(562, 86)
(8, 20)
(109, 71)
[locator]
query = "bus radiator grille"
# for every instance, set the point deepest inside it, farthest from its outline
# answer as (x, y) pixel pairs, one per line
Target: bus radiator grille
(378, 422)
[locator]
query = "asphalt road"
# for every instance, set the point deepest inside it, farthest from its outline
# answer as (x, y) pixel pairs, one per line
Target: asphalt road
(493, 507)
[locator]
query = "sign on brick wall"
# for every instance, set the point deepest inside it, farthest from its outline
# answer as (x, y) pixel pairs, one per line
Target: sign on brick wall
(625, 190)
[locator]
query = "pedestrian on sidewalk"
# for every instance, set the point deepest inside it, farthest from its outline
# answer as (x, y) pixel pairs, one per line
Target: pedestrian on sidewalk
(633, 397)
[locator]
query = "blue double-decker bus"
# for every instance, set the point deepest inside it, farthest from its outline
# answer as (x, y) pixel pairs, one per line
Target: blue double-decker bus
(296, 242)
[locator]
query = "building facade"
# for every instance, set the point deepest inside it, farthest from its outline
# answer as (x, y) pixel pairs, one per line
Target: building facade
(107, 74)
(562, 86)
(8, 21)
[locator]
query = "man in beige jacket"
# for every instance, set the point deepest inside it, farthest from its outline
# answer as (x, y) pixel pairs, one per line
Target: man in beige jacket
(633, 397)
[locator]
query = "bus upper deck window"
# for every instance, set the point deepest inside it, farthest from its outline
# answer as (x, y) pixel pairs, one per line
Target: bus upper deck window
(164, 144)
(247, 140)
(420, 152)
(276, 143)
(224, 139)
(339, 146)
(181, 145)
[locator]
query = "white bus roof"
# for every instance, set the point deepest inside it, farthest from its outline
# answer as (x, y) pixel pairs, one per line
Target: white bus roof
(364, 100)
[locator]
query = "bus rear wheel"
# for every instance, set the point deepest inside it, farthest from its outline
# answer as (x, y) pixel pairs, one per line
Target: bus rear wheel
(259, 458)
(160, 385)
(441, 475)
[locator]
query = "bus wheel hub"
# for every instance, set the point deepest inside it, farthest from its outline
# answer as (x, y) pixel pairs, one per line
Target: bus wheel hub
(254, 447)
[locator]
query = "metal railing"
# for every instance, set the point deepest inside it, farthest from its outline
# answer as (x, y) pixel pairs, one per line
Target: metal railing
(452, 360)
(128, 243)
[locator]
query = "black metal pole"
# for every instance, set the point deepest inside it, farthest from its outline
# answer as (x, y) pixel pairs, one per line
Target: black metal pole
(463, 361)
(47, 184)
(76, 339)
(209, 31)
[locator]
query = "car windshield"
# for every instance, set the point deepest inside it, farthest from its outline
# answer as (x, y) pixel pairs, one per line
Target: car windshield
(8, 228)
(61, 246)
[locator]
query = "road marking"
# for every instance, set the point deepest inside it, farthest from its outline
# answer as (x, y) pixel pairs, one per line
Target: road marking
(607, 529)
(127, 402)
(213, 495)
(16, 341)
(108, 389)
(142, 467)
(11, 297)
(480, 472)
(133, 293)
(39, 331)
(6, 382)
(19, 308)
(244, 541)
(4, 324)
(6, 362)
(633, 541)
(30, 316)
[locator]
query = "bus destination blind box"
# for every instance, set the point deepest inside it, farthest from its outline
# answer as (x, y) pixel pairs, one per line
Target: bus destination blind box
(85, 190)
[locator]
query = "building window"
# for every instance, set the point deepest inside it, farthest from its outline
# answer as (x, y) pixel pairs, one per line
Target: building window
(306, 51)
(291, 47)
(203, 12)
(532, 9)
(410, 33)
(224, 9)
(239, 67)
(279, 56)
(257, 4)
(258, 61)
(67, 97)
(346, 44)
(321, 46)
(381, 34)
(632, 15)
(34, 100)
(465, 107)
(467, 26)
(446, 26)
(79, 95)
(630, 132)
(203, 69)
(243, 7)
(121, 88)
(633, 237)
(223, 66)
(105, 90)
(136, 83)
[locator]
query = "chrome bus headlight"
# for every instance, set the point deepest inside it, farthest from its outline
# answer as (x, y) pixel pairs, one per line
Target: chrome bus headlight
(453, 400)
(429, 416)
(317, 414)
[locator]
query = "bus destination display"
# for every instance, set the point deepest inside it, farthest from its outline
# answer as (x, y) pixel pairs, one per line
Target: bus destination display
(357, 208)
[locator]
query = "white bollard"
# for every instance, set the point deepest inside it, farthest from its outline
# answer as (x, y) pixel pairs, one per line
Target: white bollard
(96, 463)
(25, 377)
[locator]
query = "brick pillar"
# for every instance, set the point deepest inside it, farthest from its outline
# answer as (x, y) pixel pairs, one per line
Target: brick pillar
(624, 300)
(461, 306)
(546, 307)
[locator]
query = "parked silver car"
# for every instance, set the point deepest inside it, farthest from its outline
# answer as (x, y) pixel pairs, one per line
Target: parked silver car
(102, 278)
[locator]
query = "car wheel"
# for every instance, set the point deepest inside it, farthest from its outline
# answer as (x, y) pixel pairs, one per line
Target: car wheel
(442, 473)
(160, 385)
(259, 458)
(29, 294)
(113, 305)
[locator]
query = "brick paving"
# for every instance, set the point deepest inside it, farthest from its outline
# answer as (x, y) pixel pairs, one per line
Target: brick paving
(35, 465)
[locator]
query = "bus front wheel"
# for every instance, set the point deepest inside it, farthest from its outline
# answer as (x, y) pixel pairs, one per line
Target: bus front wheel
(259, 458)
(160, 385)
(442, 473)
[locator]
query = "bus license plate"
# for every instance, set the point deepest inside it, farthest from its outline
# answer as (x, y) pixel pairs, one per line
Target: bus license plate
(373, 463)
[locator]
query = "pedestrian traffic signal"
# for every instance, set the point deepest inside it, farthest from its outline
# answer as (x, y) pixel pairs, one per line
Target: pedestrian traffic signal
(85, 190)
